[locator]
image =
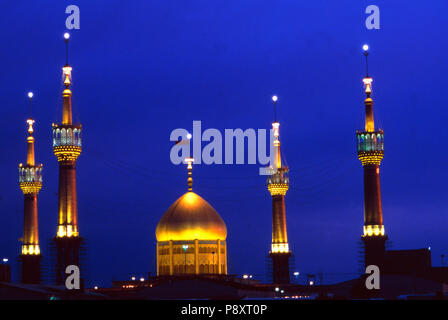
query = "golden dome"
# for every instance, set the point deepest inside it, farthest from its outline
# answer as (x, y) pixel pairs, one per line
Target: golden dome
(191, 218)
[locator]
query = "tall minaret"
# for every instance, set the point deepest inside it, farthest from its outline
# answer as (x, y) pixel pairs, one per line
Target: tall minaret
(278, 184)
(371, 151)
(30, 180)
(67, 148)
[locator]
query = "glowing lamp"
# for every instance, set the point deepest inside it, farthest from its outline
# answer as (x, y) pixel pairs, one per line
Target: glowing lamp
(30, 94)
(189, 136)
(66, 36)
(274, 98)
(365, 47)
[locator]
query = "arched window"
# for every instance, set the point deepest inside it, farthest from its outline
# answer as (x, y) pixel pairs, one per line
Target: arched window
(75, 137)
(69, 136)
(63, 137)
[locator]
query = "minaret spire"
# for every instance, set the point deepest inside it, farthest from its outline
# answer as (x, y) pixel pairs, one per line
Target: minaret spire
(30, 180)
(67, 94)
(370, 124)
(276, 128)
(30, 140)
(370, 153)
(278, 185)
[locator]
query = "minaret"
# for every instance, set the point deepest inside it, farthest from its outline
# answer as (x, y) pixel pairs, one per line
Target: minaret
(30, 180)
(371, 151)
(278, 184)
(67, 148)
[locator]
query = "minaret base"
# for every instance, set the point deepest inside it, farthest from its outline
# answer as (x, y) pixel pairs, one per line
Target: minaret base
(374, 251)
(280, 267)
(30, 268)
(67, 253)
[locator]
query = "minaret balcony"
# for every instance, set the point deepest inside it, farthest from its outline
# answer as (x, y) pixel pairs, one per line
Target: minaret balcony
(278, 182)
(67, 143)
(30, 178)
(370, 147)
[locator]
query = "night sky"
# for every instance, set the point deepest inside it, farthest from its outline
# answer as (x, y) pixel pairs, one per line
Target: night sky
(144, 68)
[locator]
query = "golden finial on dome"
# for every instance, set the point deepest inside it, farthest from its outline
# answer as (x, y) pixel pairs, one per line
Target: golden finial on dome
(190, 161)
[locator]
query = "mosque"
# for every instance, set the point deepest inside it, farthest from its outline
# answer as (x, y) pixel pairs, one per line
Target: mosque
(191, 236)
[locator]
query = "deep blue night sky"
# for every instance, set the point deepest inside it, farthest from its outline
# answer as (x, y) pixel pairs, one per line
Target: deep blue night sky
(144, 68)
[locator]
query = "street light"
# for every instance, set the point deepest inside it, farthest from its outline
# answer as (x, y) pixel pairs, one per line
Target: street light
(5, 260)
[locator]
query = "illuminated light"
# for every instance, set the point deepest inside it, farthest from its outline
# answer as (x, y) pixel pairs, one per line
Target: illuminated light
(296, 273)
(274, 98)
(30, 124)
(311, 282)
(67, 153)
(30, 95)
(30, 187)
(67, 231)
(66, 36)
(365, 47)
(185, 247)
(278, 188)
(374, 231)
(277, 289)
(276, 126)
(189, 136)
(95, 287)
(5, 260)
(371, 157)
(368, 85)
(282, 291)
(279, 248)
(61, 232)
(67, 70)
(133, 278)
(142, 279)
(245, 276)
(31, 249)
